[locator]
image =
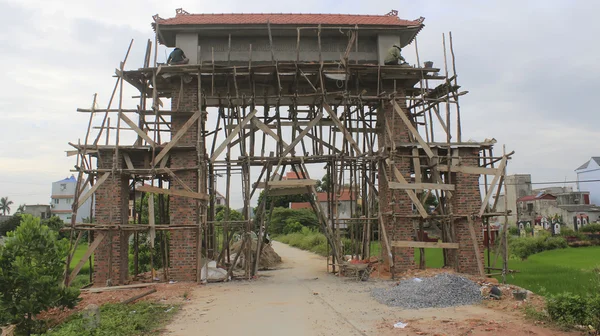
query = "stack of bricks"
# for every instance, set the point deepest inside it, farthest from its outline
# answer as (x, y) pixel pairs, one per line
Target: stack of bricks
(466, 201)
(112, 205)
(184, 210)
(396, 201)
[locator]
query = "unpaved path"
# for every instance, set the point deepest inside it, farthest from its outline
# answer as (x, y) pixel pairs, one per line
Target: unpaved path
(301, 299)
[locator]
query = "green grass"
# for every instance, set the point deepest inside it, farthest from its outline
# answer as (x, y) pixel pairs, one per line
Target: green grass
(142, 318)
(81, 248)
(557, 271)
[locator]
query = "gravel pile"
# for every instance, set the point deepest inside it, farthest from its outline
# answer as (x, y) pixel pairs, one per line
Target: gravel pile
(443, 290)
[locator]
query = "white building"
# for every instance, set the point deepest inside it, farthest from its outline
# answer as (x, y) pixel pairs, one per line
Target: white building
(63, 193)
(586, 172)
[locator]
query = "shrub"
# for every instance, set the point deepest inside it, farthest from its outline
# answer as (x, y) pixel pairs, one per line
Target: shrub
(282, 216)
(32, 263)
(10, 224)
(513, 231)
(570, 310)
(291, 227)
(591, 228)
(523, 247)
(567, 232)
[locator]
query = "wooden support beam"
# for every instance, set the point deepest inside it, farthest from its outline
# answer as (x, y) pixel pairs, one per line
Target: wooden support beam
(139, 296)
(86, 256)
(312, 124)
(469, 170)
(409, 243)
(177, 137)
(412, 129)
(487, 197)
(267, 130)
(177, 179)
(128, 162)
(136, 129)
(287, 183)
(92, 190)
(385, 240)
(476, 246)
(410, 193)
(341, 126)
(114, 288)
(231, 135)
(182, 193)
(151, 222)
(287, 191)
(420, 186)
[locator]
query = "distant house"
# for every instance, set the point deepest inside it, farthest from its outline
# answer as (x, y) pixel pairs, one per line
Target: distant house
(344, 209)
(42, 211)
(531, 206)
(63, 193)
(219, 199)
(586, 172)
(573, 207)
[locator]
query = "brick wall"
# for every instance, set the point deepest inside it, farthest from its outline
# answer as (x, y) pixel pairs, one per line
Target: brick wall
(112, 204)
(397, 201)
(467, 201)
(184, 210)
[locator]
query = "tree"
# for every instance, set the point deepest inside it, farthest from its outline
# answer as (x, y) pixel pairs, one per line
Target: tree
(32, 262)
(324, 185)
(431, 201)
(234, 215)
(54, 223)
(10, 224)
(281, 201)
(283, 217)
(21, 209)
(5, 205)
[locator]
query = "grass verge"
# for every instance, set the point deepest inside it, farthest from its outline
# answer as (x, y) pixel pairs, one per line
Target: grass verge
(142, 318)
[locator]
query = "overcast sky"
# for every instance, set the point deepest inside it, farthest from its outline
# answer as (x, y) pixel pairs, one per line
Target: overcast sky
(530, 68)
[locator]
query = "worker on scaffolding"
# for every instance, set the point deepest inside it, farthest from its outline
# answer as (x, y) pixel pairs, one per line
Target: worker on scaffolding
(394, 57)
(177, 56)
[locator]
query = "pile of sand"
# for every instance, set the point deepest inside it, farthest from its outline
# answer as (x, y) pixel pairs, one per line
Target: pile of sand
(268, 257)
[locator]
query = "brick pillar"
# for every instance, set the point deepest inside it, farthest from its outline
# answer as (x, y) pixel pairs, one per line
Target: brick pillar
(183, 210)
(112, 205)
(467, 201)
(396, 201)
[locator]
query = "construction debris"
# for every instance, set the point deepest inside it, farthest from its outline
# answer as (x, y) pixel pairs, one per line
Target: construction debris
(443, 290)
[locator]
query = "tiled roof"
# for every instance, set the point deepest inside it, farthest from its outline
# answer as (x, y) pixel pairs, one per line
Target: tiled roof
(585, 165)
(300, 205)
(183, 18)
(536, 197)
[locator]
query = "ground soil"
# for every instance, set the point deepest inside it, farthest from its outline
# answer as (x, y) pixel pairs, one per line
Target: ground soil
(301, 298)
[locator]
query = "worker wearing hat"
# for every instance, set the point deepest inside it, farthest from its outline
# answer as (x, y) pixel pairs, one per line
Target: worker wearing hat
(394, 57)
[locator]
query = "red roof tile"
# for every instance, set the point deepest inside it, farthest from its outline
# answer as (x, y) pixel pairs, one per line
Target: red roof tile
(288, 19)
(294, 176)
(536, 197)
(300, 205)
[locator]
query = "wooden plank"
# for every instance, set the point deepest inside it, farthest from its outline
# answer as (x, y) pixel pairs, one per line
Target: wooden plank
(128, 162)
(410, 193)
(385, 239)
(267, 130)
(151, 222)
(177, 179)
(76, 152)
(85, 257)
(182, 193)
(312, 124)
(231, 135)
(139, 296)
(113, 288)
(469, 170)
(420, 186)
(410, 243)
(417, 165)
(412, 129)
(163, 162)
(486, 199)
(92, 190)
(177, 137)
(287, 191)
(136, 129)
(476, 246)
(341, 126)
(292, 183)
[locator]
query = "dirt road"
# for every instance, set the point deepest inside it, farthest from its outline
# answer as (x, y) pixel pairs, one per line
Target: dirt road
(300, 298)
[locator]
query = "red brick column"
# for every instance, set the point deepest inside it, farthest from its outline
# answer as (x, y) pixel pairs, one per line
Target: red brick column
(466, 200)
(396, 201)
(112, 205)
(183, 210)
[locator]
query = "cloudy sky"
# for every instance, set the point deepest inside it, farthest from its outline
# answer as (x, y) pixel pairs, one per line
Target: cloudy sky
(529, 67)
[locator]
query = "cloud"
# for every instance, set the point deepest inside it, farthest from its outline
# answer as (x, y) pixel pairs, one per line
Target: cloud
(530, 68)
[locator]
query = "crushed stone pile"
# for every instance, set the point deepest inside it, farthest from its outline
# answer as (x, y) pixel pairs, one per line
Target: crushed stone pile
(268, 257)
(442, 290)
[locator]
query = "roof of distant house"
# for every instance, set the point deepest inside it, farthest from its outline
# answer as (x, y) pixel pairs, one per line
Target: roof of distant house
(68, 179)
(539, 196)
(300, 205)
(391, 19)
(585, 165)
(294, 176)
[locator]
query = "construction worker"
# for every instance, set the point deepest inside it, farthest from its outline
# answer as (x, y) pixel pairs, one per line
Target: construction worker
(177, 56)
(393, 56)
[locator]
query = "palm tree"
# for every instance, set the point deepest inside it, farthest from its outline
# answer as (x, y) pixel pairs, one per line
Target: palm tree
(5, 205)
(21, 209)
